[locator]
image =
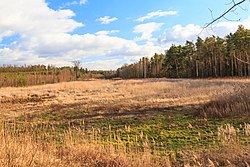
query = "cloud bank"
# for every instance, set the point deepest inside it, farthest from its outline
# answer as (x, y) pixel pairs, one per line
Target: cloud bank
(45, 38)
(156, 14)
(42, 35)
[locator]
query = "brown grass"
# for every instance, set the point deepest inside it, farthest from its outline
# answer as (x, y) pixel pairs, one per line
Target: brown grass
(117, 96)
(122, 98)
(30, 149)
(230, 155)
(229, 105)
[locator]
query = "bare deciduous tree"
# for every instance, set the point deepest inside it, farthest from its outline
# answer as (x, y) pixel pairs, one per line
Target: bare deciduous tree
(77, 64)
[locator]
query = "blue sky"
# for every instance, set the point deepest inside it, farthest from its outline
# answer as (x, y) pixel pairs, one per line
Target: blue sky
(105, 34)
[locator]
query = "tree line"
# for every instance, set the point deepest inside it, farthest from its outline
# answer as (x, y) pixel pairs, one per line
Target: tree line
(27, 75)
(38, 74)
(209, 57)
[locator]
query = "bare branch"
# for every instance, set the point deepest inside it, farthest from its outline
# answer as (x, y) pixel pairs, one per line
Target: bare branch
(244, 9)
(230, 19)
(76, 63)
(245, 62)
(234, 11)
(211, 12)
(229, 3)
(221, 16)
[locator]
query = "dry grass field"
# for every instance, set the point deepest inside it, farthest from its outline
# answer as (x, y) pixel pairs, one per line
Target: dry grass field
(122, 97)
(150, 122)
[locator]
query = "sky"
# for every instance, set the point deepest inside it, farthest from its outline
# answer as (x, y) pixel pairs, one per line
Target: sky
(106, 34)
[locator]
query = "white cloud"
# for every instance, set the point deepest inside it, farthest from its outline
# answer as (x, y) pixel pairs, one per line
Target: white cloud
(103, 64)
(224, 28)
(107, 32)
(83, 2)
(155, 14)
(29, 17)
(66, 4)
(178, 34)
(146, 30)
(44, 38)
(62, 50)
(107, 19)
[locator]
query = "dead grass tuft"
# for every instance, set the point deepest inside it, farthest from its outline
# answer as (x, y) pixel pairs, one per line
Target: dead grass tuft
(229, 105)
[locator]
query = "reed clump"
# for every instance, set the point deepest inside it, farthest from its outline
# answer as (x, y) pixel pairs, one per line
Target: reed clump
(33, 145)
(29, 144)
(228, 105)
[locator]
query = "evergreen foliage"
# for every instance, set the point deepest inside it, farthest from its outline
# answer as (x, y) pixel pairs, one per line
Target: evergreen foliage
(211, 57)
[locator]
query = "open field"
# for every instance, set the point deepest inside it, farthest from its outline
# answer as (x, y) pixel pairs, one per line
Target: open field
(122, 96)
(151, 122)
